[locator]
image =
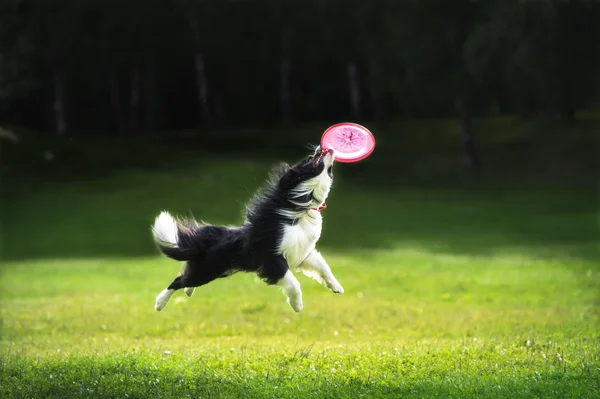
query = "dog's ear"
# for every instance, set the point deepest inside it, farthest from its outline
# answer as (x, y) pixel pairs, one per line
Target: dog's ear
(278, 171)
(284, 167)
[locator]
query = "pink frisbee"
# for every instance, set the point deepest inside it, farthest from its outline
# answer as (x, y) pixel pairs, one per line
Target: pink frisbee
(351, 142)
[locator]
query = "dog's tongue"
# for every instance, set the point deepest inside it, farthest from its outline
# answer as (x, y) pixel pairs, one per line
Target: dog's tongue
(321, 207)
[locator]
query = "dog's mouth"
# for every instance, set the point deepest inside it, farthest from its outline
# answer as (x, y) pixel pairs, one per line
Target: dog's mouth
(326, 156)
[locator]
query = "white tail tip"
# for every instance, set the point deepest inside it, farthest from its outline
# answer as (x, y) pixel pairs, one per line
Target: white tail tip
(165, 230)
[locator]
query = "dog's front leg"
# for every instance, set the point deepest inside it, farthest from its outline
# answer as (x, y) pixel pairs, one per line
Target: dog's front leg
(316, 267)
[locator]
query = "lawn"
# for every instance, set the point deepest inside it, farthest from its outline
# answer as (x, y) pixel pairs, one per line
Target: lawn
(451, 290)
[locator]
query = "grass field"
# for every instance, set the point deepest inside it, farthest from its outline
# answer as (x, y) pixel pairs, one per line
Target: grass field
(451, 290)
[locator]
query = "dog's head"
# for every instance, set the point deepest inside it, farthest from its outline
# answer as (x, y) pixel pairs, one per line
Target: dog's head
(307, 183)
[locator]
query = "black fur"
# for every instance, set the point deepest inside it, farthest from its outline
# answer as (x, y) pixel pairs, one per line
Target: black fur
(213, 252)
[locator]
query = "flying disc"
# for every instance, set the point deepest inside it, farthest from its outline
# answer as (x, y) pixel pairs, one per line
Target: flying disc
(350, 141)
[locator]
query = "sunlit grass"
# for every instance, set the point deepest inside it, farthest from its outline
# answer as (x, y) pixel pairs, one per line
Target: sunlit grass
(410, 322)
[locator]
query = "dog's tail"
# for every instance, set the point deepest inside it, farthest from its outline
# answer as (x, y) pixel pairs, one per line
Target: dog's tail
(177, 239)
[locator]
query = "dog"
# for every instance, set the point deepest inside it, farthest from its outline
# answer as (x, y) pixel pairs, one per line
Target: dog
(279, 235)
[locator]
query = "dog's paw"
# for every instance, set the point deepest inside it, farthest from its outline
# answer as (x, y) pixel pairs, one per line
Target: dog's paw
(162, 299)
(189, 291)
(336, 288)
(296, 305)
(159, 305)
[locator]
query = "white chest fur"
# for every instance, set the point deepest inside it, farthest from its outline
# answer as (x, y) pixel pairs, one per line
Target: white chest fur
(298, 240)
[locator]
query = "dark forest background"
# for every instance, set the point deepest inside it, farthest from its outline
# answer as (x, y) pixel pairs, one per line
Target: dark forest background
(124, 66)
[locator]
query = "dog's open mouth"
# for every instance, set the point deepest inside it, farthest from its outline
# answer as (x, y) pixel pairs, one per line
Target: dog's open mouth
(321, 155)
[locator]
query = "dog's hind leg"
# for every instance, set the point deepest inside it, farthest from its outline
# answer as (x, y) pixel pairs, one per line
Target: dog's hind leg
(163, 298)
(316, 267)
(188, 280)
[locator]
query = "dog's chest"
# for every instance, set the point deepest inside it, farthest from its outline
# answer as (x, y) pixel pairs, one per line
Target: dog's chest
(298, 240)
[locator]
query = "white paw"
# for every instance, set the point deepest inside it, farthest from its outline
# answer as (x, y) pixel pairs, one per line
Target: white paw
(159, 305)
(189, 291)
(336, 288)
(296, 305)
(162, 299)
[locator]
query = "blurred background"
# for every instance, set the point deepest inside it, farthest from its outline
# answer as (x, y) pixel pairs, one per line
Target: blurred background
(112, 110)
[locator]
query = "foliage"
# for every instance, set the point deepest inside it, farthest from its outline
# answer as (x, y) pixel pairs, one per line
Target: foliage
(412, 57)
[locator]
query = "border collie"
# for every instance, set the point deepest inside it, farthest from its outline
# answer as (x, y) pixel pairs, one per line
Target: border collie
(281, 229)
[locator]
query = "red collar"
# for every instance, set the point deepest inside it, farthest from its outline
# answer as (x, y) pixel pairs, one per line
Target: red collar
(321, 207)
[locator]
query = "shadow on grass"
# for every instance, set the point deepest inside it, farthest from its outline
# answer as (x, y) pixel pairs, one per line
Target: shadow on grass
(468, 222)
(421, 151)
(99, 196)
(114, 220)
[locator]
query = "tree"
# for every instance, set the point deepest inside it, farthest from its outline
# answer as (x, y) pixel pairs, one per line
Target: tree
(200, 17)
(17, 75)
(436, 63)
(75, 65)
(545, 53)
(52, 47)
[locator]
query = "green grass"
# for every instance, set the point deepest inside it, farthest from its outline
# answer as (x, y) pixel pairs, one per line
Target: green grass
(410, 323)
(452, 290)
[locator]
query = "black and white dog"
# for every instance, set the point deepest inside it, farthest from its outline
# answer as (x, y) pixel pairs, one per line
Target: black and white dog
(282, 226)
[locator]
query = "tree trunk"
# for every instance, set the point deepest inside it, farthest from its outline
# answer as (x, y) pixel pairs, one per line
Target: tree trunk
(567, 109)
(220, 108)
(354, 90)
(199, 66)
(115, 100)
(376, 93)
(468, 142)
(201, 82)
(286, 68)
(134, 98)
(60, 116)
(149, 86)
